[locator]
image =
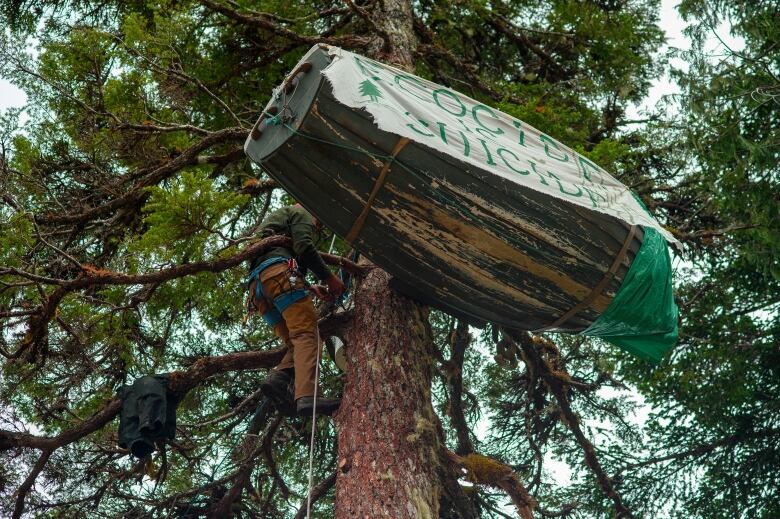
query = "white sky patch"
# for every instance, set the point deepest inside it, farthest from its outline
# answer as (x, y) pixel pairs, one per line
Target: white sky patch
(10, 95)
(13, 97)
(558, 470)
(719, 44)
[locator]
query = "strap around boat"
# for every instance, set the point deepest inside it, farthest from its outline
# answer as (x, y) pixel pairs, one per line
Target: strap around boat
(380, 181)
(598, 289)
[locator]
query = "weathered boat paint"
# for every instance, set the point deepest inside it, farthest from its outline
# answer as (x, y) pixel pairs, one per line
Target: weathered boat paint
(456, 236)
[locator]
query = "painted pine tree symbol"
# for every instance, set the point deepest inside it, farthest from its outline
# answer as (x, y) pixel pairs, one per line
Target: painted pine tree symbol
(370, 90)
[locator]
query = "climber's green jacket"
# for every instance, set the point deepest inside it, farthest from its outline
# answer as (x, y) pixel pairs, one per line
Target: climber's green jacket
(293, 221)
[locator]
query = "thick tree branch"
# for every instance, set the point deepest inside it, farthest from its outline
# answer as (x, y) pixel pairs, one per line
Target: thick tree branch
(266, 22)
(241, 479)
(372, 24)
(268, 454)
(94, 277)
(28, 483)
(482, 470)
(180, 383)
(91, 277)
(459, 342)
(188, 157)
(517, 36)
(434, 54)
(256, 187)
(12, 440)
(317, 492)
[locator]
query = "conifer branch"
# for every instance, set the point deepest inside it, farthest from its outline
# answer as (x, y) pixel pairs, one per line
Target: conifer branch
(266, 22)
(151, 176)
(91, 277)
(482, 470)
(557, 380)
(180, 383)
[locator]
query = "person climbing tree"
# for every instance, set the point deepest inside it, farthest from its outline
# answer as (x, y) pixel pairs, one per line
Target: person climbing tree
(285, 303)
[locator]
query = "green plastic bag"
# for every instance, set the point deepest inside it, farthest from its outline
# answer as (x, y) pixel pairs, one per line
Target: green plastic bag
(642, 318)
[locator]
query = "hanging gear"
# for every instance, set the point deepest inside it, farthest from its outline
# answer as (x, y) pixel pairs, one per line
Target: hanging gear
(148, 414)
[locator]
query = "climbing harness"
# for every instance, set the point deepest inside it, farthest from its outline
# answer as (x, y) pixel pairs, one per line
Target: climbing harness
(281, 302)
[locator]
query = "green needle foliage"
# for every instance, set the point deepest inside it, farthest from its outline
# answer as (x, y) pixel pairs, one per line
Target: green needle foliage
(128, 159)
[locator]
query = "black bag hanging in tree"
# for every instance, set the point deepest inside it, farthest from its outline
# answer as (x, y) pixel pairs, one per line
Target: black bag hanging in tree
(148, 414)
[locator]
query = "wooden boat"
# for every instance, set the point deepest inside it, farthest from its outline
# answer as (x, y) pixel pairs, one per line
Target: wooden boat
(456, 236)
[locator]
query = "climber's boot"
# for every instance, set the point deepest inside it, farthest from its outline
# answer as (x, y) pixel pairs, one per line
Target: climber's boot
(278, 387)
(325, 406)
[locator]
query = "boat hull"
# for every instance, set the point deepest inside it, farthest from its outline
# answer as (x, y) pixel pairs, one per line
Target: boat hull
(454, 236)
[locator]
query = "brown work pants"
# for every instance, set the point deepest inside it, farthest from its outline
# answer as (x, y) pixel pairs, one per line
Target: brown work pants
(297, 329)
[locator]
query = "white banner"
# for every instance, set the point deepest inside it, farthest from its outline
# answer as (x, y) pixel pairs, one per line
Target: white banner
(453, 123)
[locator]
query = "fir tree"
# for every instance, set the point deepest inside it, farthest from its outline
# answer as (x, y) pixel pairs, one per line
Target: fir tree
(370, 90)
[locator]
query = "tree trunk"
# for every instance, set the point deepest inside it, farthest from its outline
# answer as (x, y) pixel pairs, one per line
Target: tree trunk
(392, 461)
(396, 41)
(387, 430)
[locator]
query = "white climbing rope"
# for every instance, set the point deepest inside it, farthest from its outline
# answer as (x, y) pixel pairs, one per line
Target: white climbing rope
(314, 408)
(313, 428)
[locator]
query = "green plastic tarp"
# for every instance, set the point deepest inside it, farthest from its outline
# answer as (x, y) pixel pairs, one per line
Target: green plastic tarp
(642, 318)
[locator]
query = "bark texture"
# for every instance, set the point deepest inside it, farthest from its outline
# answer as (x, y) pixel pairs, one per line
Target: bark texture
(393, 22)
(389, 447)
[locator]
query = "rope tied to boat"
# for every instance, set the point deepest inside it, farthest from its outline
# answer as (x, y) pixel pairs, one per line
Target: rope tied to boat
(276, 120)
